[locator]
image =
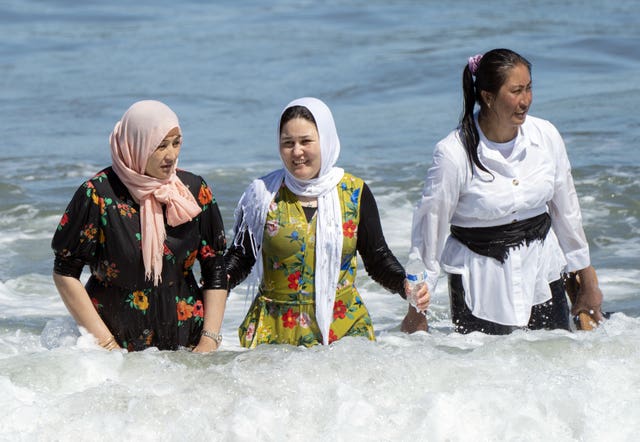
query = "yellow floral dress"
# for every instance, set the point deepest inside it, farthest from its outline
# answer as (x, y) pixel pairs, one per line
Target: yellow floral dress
(283, 311)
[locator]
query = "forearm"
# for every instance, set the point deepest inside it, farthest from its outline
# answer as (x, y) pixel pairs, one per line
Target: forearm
(215, 302)
(78, 302)
(384, 268)
(588, 277)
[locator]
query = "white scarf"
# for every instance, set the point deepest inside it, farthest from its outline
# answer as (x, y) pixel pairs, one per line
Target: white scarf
(254, 206)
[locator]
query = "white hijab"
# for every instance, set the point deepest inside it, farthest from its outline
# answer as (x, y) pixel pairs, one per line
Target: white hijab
(254, 205)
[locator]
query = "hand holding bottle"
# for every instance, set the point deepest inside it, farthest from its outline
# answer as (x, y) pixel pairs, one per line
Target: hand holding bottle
(418, 295)
(415, 285)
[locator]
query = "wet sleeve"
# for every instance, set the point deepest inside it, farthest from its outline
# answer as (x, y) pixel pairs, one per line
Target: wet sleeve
(75, 240)
(564, 208)
(440, 195)
(379, 262)
(213, 242)
(239, 258)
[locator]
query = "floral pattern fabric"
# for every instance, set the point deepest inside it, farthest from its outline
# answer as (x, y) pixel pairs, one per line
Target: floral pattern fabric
(284, 308)
(101, 228)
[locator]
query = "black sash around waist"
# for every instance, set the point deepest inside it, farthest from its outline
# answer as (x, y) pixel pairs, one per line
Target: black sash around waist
(496, 241)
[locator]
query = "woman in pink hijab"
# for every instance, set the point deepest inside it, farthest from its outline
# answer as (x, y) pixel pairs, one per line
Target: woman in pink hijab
(140, 224)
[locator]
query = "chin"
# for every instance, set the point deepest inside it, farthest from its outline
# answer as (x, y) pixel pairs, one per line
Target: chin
(302, 175)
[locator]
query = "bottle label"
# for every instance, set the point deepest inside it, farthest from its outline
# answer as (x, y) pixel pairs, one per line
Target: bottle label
(419, 277)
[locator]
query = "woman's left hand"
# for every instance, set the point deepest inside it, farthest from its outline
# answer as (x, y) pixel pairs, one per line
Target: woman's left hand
(589, 296)
(422, 297)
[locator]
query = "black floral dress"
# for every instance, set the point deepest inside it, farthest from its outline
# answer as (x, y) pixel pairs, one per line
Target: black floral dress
(101, 228)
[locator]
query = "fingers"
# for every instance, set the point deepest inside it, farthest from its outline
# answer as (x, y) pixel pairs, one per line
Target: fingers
(596, 315)
(423, 298)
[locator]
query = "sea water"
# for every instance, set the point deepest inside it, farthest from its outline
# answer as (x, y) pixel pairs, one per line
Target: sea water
(391, 73)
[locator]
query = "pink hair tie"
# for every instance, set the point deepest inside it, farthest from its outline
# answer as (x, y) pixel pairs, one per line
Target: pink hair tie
(473, 63)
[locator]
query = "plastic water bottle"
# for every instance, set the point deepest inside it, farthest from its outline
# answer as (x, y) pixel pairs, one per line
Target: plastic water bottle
(416, 275)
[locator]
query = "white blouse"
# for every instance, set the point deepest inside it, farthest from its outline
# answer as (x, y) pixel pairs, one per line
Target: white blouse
(535, 177)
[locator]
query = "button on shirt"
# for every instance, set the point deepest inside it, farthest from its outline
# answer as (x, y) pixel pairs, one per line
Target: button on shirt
(532, 177)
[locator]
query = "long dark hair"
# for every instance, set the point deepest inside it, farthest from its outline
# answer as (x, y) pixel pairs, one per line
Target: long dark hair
(296, 112)
(491, 74)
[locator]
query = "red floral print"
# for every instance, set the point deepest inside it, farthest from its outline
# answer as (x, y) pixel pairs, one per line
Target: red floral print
(167, 251)
(332, 336)
(290, 319)
(339, 310)
(349, 228)
(294, 279)
(198, 309)
(207, 251)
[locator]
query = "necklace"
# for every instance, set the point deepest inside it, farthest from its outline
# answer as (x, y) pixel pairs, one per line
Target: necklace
(312, 204)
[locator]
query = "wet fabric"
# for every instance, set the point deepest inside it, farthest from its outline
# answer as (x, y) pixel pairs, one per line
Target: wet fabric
(101, 228)
(496, 241)
(552, 314)
(284, 310)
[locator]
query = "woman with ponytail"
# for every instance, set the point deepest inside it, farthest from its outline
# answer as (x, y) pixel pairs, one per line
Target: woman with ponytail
(499, 211)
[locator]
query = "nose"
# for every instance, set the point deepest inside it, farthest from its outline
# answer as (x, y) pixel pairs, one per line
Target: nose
(172, 154)
(297, 149)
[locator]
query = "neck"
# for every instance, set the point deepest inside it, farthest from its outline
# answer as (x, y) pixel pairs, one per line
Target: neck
(306, 201)
(494, 131)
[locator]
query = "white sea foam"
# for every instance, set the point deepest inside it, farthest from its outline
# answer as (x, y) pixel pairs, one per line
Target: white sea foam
(527, 386)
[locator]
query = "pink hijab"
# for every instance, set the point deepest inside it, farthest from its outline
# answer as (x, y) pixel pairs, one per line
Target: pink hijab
(134, 138)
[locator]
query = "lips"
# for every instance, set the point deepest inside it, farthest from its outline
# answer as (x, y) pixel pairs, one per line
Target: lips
(521, 114)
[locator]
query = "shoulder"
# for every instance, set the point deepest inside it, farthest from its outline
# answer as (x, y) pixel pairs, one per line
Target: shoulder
(104, 179)
(196, 185)
(269, 182)
(352, 180)
(352, 188)
(450, 157)
(190, 179)
(535, 127)
(542, 133)
(451, 148)
(352, 185)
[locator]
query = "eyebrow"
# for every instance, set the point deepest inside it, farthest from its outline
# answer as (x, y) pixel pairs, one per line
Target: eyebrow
(290, 137)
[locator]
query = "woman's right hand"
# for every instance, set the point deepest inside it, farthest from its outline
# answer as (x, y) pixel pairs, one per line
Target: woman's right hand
(78, 302)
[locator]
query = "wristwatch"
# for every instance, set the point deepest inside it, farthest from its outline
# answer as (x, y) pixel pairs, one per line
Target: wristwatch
(212, 335)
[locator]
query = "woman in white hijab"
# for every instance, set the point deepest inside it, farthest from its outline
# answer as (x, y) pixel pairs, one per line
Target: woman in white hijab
(299, 228)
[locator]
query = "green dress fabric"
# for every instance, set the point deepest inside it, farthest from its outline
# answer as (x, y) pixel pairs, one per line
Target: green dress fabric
(283, 312)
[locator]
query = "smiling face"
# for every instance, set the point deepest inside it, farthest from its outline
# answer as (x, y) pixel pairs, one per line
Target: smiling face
(162, 161)
(300, 148)
(506, 111)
